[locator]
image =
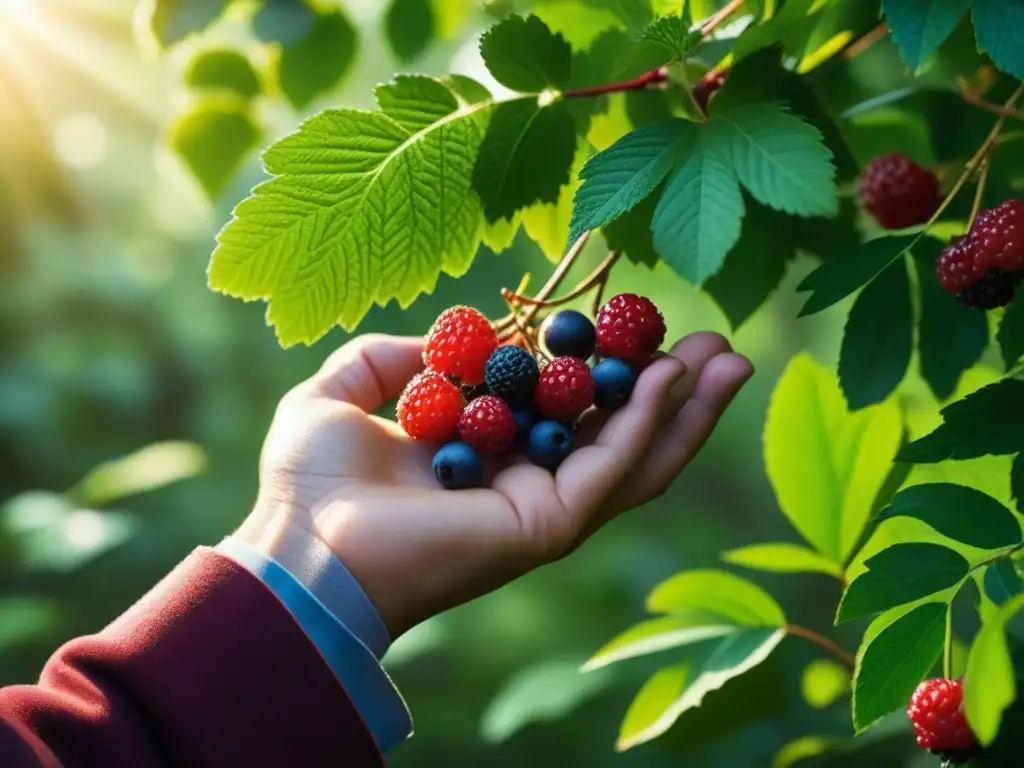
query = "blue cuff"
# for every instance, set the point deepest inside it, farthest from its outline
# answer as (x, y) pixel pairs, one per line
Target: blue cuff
(353, 664)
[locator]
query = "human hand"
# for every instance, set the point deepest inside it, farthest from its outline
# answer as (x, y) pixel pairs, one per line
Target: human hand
(333, 470)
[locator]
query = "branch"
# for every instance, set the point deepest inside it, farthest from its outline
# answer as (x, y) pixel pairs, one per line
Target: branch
(980, 191)
(657, 76)
(591, 281)
(988, 106)
(861, 44)
(821, 641)
(711, 24)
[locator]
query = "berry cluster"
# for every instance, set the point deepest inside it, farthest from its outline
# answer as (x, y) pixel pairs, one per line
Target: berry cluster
(482, 398)
(936, 712)
(985, 266)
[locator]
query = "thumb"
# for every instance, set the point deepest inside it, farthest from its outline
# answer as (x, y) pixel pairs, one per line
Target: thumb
(370, 370)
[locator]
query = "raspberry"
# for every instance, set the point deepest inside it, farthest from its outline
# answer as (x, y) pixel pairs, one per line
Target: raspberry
(459, 344)
(937, 714)
(565, 389)
(898, 192)
(984, 268)
(550, 442)
(629, 328)
(707, 85)
(511, 374)
(458, 465)
(430, 407)
(998, 235)
(487, 424)
(613, 383)
(569, 333)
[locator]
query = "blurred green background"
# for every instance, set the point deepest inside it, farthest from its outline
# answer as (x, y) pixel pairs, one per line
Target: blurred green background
(111, 342)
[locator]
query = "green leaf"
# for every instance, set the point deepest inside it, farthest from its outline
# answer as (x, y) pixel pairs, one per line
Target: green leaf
(26, 620)
(214, 138)
(841, 275)
(733, 599)
(802, 749)
(314, 65)
(920, 26)
(901, 574)
(964, 514)
(788, 27)
(777, 156)
(631, 232)
(845, 457)
(524, 55)
(878, 339)
(660, 634)
(1017, 480)
(951, 336)
(544, 692)
(823, 682)
(410, 27)
(673, 33)
(999, 27)
(466, 88)
(1002, 582)
(548, 223)
(1011, 333)
(283, 21)
(147, 469)
(525, 156)
(615, 180)
(987, 422)
(223, 69)
(415, 102)
(781, 558)
(755, 266)
(894, 660)
(989, 685)
(698, 218)
(173, 20)
(499, 235)
(674, 690)
(363, 210)
(579, 24)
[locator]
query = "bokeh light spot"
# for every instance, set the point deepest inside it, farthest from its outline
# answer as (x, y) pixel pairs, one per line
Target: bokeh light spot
(80, 141)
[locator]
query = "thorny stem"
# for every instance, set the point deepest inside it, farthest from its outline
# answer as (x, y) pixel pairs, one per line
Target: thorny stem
(980, 191)
(836, 650)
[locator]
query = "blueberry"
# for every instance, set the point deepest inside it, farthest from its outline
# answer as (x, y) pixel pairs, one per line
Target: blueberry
(550, 443)
(570, 333)
(613, 383)
(525, 419)
(458, 465)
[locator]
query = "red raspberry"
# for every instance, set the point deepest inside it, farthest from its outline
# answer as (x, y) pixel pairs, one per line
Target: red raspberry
(459, 344)
(488, 425)
(430, 407)
(898, 192)
(707, 85)
(937, 714)
(998, 236)
(565, 389)
(629, 328)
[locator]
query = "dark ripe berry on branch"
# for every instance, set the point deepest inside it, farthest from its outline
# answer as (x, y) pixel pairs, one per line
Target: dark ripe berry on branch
(898, 192)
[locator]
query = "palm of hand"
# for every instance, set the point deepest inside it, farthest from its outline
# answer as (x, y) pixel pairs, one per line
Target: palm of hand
(359, 483)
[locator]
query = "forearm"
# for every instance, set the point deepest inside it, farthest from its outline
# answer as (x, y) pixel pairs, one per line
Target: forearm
(208, 669)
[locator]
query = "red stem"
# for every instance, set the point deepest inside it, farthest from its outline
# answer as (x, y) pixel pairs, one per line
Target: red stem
(654, 77)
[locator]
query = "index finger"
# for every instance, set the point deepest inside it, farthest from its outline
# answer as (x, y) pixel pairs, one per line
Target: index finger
(370, 370)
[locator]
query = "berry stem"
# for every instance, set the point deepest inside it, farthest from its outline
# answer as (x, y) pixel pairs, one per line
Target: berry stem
(657, 76)
(947, 649)
(832, 647)
(591, 281)
(711, 24)
(602, 281)
(864, 42)
(980, 191)
(988, 106)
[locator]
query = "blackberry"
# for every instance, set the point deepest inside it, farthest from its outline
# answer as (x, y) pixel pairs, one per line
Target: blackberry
(994, 290)
(511, 373)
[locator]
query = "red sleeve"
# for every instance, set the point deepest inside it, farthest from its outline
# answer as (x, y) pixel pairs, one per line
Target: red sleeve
(208, 669)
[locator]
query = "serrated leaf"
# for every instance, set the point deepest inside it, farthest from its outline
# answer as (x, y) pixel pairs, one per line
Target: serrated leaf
(224, 69)
(578, 23)
(788, 26)
(823, 682)
(841, 275)
(951, 336)
(318, 62)
(987, 422)
(878, 339)
(660, 634)
(781, 558)
(828, 495)
(546, 691)
(466, 88)
(999, 27)
(1001, 582)
(524, 55)
(697, 220)
(173, 20)
(548, 223)
(964, 514)
(673, 33)
(615, 180)
(1011, 334)
(894, 660)
(989, 685)
(415, 101)
(901, 574)
(362, 211)
(499, 235)
(674, 690)
(735, 600)
(631, 232)
(919, 27)
(525, 156)
(778, 157)
(755, 266)
(283, 21)
(410, 27)
(214, 138)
